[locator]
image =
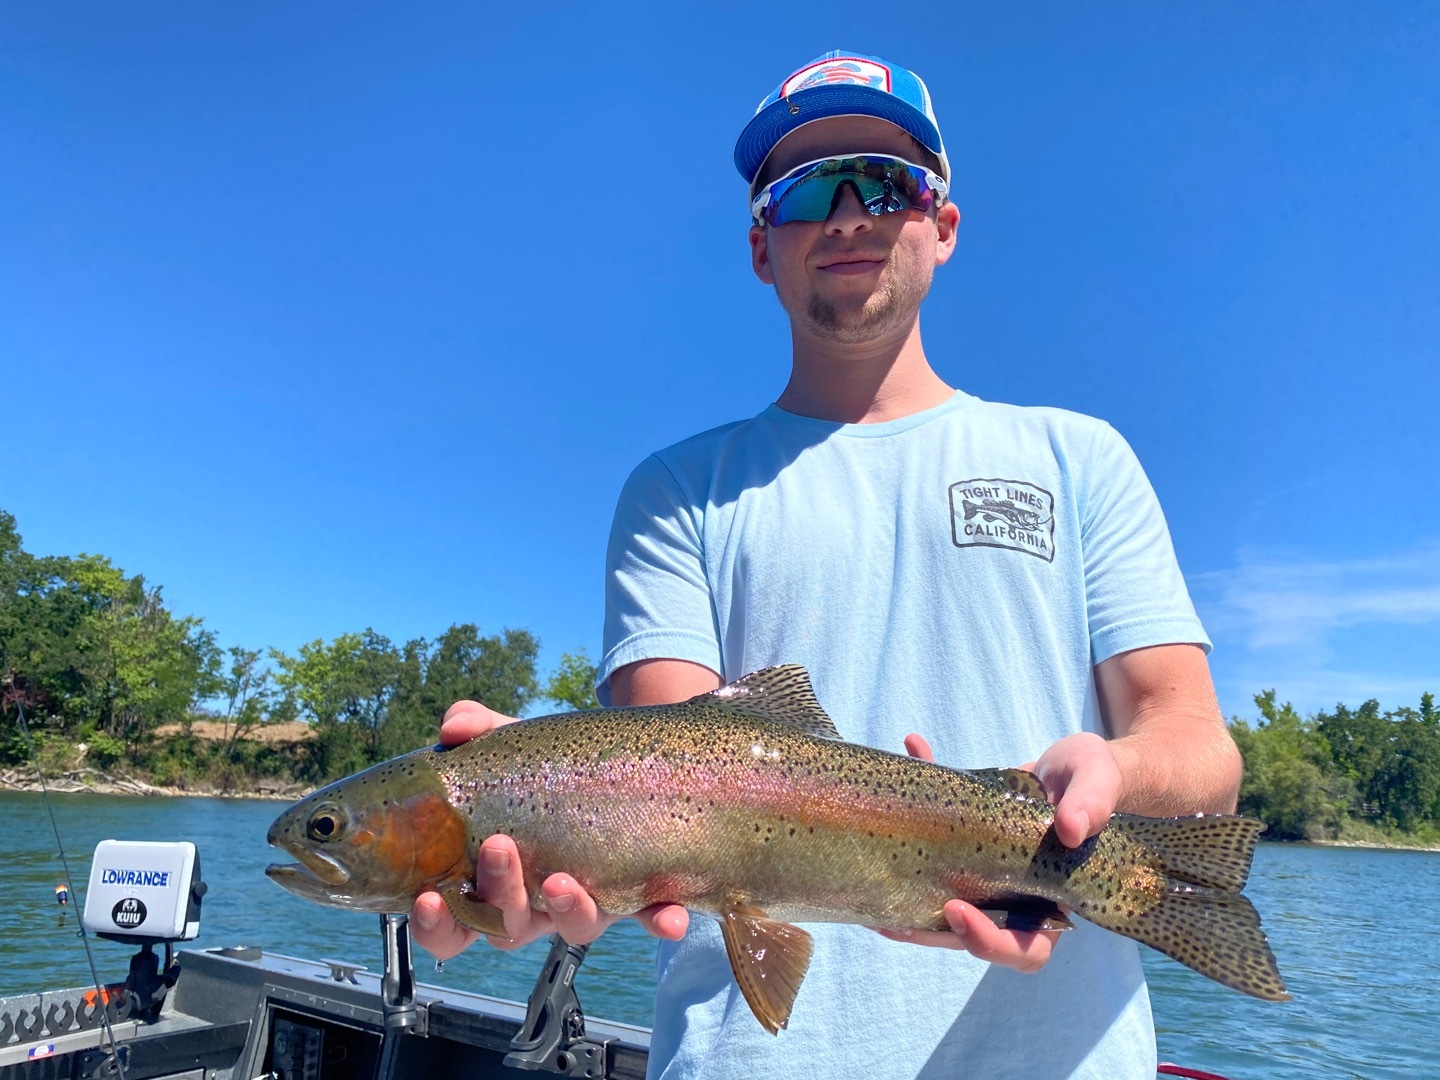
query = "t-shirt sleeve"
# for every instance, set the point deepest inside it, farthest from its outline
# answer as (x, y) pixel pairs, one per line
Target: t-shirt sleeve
(657, 598)
(1135, 595)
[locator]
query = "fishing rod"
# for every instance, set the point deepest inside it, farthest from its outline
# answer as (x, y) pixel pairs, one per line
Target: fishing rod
(16, 695)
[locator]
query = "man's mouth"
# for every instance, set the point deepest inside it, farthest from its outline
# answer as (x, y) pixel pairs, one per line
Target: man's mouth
(851, 262)
(852, 265)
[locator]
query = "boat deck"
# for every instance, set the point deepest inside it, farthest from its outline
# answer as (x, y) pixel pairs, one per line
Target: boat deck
(238, 1014)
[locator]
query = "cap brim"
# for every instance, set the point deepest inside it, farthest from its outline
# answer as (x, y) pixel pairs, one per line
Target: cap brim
(779, 118)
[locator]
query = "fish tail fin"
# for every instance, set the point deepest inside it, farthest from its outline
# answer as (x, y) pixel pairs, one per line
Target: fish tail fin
(1201, 919)
(1213, 850)
(1215, 933)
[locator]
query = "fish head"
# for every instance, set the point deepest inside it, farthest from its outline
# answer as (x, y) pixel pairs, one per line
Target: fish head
(374, 841)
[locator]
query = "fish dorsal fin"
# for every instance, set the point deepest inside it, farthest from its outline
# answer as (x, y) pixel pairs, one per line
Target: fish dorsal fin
(1016, 781)
(779, 693)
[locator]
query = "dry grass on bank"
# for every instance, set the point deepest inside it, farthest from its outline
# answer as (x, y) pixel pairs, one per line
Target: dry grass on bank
(219, 731)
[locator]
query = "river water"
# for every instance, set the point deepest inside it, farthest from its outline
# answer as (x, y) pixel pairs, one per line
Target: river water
(1354, 931)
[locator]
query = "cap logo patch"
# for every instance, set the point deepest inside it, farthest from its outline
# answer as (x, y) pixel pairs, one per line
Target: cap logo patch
(848, 69)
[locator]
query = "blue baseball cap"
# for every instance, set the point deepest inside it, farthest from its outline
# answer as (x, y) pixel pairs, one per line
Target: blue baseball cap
(840, 83)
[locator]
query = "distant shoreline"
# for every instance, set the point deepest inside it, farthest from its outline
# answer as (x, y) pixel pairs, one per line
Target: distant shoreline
(95, 782)
(1368, 845)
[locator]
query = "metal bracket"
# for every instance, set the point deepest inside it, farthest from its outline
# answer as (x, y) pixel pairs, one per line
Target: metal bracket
(100, 1065)
(402, 1017)
(553, 1035)
(397, 985)
(341, 971)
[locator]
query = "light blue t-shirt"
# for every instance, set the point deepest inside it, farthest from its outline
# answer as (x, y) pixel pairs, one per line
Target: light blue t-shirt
(956, 573)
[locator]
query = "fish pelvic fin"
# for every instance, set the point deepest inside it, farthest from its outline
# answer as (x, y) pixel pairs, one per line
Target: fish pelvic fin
(474, 913)
(769, 959)
(779, 693)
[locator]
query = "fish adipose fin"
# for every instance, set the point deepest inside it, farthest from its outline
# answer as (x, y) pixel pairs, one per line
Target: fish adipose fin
(1201, 919)
(769, 959)
(1016, 781)
(779, 693)
(474, 913)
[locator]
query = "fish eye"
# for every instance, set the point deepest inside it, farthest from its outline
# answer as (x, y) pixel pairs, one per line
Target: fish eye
(327, 823)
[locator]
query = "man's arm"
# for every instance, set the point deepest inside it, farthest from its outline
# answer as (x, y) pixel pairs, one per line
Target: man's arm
(1173, 747)
(1170, 755)
(661, 682)
(499, 878)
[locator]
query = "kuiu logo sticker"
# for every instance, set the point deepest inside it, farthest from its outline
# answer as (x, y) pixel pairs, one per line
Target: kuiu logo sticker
(128, 913)
(1004, 514)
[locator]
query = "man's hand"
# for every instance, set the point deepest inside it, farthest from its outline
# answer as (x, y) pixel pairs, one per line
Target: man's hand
(1083, 781)
(500, 880)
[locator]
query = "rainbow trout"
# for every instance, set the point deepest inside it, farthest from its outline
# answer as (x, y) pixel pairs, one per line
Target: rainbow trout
(745, 804)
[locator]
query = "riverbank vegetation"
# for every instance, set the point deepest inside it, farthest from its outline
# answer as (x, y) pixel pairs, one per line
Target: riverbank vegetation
(1351, 775)
(116, 684)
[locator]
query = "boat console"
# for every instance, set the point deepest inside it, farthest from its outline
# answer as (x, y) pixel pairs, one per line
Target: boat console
(245, 1014)
(241, 1013)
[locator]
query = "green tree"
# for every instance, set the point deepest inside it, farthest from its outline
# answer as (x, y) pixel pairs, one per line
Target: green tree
(344, 688)
(1412, 773)
(1289, 781)
(498, 670)
(411, 723)
(87, 645)
(573, 682)
(250, 696)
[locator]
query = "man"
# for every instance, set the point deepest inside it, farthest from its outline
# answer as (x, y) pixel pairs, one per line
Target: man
(999, 577)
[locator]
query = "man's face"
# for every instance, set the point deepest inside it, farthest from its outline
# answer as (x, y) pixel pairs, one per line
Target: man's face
(852, 278)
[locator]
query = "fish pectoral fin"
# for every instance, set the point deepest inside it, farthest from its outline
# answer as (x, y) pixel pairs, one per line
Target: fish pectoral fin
(769, 959)
(1025, 915)
(474, 913)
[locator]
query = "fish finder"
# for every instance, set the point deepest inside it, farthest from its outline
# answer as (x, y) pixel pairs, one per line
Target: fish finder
(141, 891)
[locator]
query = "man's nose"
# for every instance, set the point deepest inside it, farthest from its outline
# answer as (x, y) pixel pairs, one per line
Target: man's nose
(848, 213)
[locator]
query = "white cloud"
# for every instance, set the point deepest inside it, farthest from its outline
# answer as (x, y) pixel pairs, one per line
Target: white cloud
(1288, 620)
(1278, 599)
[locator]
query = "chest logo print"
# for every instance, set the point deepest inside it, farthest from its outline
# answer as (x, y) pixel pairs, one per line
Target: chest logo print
(1004, 514)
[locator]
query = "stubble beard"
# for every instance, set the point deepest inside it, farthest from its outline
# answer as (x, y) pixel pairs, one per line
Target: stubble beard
(890, 309)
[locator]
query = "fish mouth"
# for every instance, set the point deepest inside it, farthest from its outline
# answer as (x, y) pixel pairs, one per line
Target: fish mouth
(314, 869)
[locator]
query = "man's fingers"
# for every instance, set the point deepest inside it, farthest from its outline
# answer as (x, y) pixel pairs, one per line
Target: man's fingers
(435, 930)
(935, 939)
(499, 881)
(971, 929)
(573, 910)
(1014, 949)
(917, 747)
(467, 719)
(1073, 823)
(669, 921)
(579, 920)
(1084, 782)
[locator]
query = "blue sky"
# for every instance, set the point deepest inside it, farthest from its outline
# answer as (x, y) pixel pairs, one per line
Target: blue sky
(329, 316)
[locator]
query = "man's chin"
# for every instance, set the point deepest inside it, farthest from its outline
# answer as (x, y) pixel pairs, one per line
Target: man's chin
(851, 323)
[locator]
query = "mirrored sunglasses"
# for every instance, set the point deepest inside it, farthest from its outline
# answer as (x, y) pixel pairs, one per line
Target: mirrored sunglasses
(884, 184)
